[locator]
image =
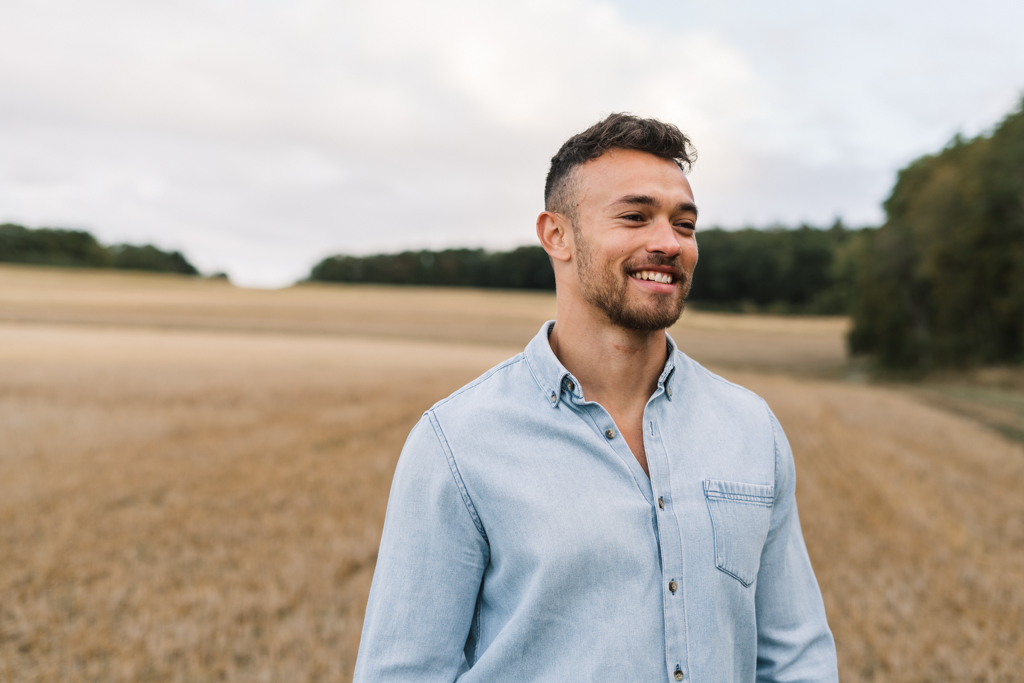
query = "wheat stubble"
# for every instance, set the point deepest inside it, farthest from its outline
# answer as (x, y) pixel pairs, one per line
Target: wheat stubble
(914, 520)
(193, 479)
(198, 506)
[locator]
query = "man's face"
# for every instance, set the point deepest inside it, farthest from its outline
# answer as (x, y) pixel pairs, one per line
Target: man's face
(634, 243)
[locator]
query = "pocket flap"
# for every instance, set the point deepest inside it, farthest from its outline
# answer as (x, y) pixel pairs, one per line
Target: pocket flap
(759, 494)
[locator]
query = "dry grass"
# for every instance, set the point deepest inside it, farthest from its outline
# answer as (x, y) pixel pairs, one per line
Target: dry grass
(193, 477)
(120, 299)
(189, 506)
(914, 519)
(111, 298)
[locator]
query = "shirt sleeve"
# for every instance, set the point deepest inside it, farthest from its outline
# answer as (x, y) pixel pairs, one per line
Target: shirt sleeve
(794, 642)
(432, 556)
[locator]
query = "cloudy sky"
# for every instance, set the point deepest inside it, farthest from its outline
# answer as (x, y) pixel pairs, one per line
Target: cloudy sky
(258, 136)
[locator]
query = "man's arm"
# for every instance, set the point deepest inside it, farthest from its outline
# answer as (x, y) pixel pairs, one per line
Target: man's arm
(431, 561)
(794, 642)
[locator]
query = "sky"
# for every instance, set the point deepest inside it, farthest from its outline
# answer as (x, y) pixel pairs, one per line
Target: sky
(260, 136)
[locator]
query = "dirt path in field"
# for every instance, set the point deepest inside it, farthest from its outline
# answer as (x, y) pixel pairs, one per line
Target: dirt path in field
(197, 502)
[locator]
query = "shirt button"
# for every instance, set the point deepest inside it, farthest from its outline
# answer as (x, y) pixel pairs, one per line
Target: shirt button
(661, 503)
(673, 586)
(678, 675)
(669, 390)
(569, 385)
(554, 397)
(610, 433)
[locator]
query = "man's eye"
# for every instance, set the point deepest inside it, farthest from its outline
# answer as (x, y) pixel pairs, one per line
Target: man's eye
(686, 226)
(634, 217)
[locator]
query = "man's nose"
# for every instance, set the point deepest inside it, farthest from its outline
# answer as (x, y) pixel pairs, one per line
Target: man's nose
(663, 238)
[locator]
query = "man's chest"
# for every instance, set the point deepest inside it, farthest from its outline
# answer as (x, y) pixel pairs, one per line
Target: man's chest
(573, 494)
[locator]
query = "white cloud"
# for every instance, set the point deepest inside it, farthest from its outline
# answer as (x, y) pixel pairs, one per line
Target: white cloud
(259, 137)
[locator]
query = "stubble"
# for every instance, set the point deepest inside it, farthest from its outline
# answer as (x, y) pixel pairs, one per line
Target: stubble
(601, 288)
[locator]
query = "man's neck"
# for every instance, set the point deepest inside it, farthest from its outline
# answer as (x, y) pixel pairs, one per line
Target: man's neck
(617, 367)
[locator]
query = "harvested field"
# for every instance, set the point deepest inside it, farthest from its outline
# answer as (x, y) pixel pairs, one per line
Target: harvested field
(118, 299)
(193, 477)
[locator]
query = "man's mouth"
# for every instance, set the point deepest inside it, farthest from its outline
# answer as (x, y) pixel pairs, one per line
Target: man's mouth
(653, 276)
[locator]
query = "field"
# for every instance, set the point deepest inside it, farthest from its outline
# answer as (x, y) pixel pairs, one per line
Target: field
(193, 477)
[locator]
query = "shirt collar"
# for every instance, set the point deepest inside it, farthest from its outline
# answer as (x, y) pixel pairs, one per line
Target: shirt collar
(554, 380)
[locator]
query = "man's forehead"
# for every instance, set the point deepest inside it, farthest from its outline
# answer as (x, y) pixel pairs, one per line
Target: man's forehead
(622, 173)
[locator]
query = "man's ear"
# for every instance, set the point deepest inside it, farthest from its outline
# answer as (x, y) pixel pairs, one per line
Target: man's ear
(552, 231)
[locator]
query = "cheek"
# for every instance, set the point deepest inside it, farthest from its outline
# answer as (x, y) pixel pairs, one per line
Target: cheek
(688, 254)
(620, 249)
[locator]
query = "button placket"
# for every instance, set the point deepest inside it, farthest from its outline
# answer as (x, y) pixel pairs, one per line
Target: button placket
(669, 541)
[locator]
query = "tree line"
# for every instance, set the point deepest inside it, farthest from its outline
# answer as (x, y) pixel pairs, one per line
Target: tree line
(78, 248)
(522, 268)
(802, 270)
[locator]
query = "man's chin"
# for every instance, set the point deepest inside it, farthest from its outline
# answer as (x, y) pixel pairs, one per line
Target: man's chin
(646, 319)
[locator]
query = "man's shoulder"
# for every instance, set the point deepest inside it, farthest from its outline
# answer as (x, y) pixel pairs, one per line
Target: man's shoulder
(708, 387)
(729, 420)
(506, 382)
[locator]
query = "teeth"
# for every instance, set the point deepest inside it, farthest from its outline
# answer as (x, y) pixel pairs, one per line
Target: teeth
(654, 276)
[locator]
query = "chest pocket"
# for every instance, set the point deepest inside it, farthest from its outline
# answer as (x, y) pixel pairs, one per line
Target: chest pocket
(740, 516)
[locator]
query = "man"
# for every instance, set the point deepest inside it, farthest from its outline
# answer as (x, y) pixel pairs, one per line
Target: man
(600, 507)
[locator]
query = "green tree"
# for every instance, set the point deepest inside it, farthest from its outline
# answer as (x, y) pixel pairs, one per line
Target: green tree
(19, 244)
(148, 257)
(77, 248)
(522, 268)
(942, 282)
(792, 270)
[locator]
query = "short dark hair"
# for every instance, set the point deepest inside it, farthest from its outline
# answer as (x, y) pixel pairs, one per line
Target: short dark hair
(617, 131)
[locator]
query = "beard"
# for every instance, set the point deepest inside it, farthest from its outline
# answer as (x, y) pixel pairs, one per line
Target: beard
(601, 287)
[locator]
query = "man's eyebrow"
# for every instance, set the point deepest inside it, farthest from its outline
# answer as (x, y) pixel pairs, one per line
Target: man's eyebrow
(688, 207)
(642, 199)
(647, 200)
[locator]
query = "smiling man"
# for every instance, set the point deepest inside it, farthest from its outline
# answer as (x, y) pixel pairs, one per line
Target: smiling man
(600, 507)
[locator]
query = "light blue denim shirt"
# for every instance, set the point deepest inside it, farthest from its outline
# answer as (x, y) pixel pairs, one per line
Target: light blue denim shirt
(523, 542)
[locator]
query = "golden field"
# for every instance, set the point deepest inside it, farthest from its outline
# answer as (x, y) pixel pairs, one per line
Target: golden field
(193, 477)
